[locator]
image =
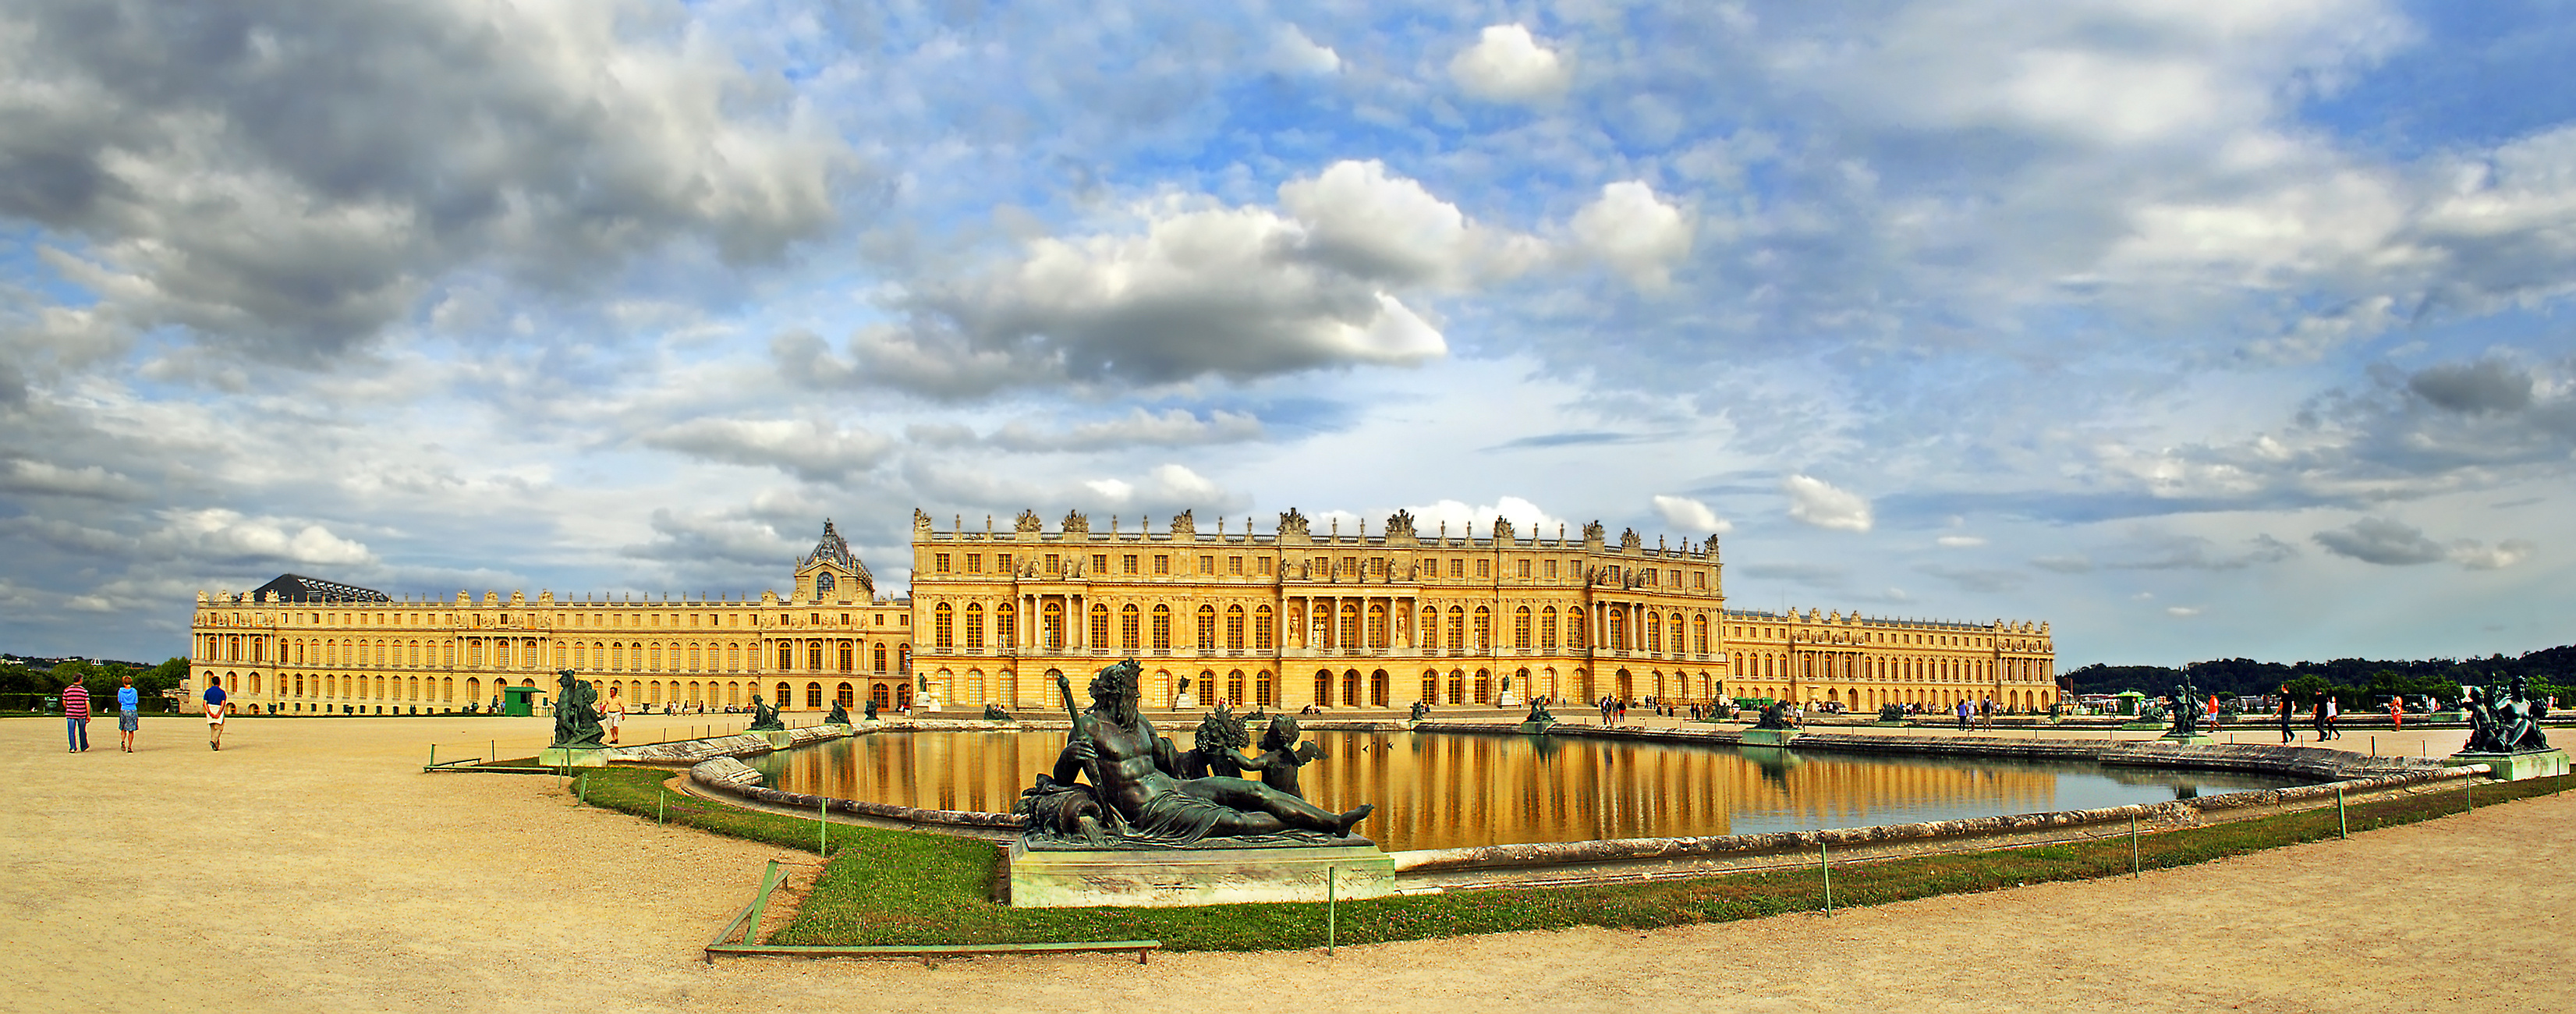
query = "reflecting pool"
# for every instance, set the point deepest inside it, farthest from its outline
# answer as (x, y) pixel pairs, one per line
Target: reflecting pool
(1448, 790)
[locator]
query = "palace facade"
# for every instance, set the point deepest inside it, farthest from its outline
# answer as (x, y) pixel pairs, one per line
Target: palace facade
(1281, 619)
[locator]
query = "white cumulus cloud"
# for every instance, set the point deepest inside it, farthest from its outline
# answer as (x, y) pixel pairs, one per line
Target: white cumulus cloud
(1507, 64)
(1634, 231)
(1818, 503)
(1690, 515)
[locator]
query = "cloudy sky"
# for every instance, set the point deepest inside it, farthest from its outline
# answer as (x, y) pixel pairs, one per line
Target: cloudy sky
(2195, 327)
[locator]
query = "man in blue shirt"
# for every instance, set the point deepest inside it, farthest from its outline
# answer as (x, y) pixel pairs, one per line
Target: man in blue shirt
(215, 714)
(128, 711)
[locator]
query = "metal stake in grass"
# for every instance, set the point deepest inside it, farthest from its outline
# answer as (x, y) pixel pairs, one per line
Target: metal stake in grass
(1331, 876)
(823, 826)
(2133, 846)
(1826, 862)
(659, 794)
(2343, 828)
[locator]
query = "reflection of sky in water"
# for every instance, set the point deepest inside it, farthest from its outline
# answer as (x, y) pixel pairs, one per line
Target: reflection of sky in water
(1450, 790)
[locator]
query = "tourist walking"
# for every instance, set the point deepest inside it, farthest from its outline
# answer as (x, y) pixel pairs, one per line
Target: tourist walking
(613, 713)
(2288, 734)
(216, 705)
(129, 712)
(2397, 711)
(2334, 711)
(76, 715)
(1963, 714)
(2317, 719)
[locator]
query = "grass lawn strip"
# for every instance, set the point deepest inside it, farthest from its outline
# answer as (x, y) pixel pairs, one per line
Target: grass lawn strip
(886, 887)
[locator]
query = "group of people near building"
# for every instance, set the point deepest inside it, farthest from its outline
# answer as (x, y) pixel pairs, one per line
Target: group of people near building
(129, 714)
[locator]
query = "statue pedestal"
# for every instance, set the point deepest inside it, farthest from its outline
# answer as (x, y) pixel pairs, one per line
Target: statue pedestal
(2514, 767)
(1187, 701)
(573, 757)
(1537, 728)
(779, 739)
(1509, 699)
(926, 703)
(2195, 739)
(1160, 877)
(2127, 726)
(1768, 737)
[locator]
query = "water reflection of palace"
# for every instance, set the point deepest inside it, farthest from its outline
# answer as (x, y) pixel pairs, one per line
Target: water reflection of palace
(1452, 790)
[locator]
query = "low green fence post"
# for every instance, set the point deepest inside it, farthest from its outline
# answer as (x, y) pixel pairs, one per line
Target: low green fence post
(1825, 861)
(2133, 846)
(2343, 828)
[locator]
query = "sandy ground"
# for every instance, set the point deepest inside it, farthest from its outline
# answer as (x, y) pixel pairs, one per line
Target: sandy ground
(311, 866)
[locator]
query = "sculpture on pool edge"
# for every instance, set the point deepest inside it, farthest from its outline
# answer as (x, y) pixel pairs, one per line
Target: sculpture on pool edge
(1775, 715)
(1539, 713)
(763, 717)
(871, 711)
(2186, 710)
(1117, 785)
(840, 715)
(576, 719)
(1420, 709)
(1281, 756)
(1212, 750)
(2503, 720)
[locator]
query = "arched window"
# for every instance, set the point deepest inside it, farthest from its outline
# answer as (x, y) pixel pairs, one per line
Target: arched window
(1130, 630)
(943, 626)
(877, 657)
(814, 696)
(1577, 635)
(1051, 632)
(1265, 689)
(1377, 626)
(1262, 630)
(1006, 626)
(1521, 628)
(1207, 628)
(1484, 641)
(1324, 687)
(1162, 628)
(845, 695)
(1234, 686)
(1457, 631)
(1654, 631)
(974, 625)
(1377, 688)
(653, 656)
(1234, 638)
(1099, 627)
(1351, 630)
(848, 650)
(1457, 686)
(1699, 635)
(1619, 630)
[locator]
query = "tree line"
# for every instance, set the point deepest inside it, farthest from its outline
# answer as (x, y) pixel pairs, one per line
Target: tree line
(24, 687)
(2357, 682)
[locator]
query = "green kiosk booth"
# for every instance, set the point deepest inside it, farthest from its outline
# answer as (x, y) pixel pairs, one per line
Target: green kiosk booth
(521, 701)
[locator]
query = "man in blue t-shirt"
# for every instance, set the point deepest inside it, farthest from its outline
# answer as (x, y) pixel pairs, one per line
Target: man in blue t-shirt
(215, 714)
(129, 709)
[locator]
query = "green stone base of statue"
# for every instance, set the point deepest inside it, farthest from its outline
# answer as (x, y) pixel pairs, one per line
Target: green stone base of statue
(573, 757)
(2444, 716)
(2143, 726)
(779, 739)
(2514, 767)
(1196, 876)
(1537, 728)
(1888, 725)
(2195, 739)
(1758, 736)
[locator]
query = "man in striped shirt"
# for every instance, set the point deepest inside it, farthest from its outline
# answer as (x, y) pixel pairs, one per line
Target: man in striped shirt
(76, 714)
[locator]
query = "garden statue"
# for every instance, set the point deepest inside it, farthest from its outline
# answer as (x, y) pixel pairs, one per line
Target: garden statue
(994, 713)
(2505, 720)
(870, 709)
(2186, 711)
(763, 717)
(840, 715)
(1775, 715)
(1420, 709)
(1281, 756)
(1212, 752)
(576, 720)
(1117, 784)
(1538, 712)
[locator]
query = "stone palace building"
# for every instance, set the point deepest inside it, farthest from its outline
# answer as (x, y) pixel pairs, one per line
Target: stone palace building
(1281, 619)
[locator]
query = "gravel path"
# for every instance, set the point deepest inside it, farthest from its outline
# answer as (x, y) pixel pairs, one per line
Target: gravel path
(310, 865)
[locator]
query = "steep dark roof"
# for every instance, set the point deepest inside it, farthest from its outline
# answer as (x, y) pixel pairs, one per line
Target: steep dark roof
(298, 588)
(834, 549)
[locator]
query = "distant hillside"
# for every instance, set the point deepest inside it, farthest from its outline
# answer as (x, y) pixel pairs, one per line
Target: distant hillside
(2553, 669)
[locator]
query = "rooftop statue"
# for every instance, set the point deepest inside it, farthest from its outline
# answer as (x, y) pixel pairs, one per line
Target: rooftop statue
(1118, 785)
(576, 717)
(764, 717)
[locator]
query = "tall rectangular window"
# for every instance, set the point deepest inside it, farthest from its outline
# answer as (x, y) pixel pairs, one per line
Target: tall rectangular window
(1234, 565)
(974, 563)
(939, 563)
(1162, 563)
(1100, 563)
(1128, 564)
